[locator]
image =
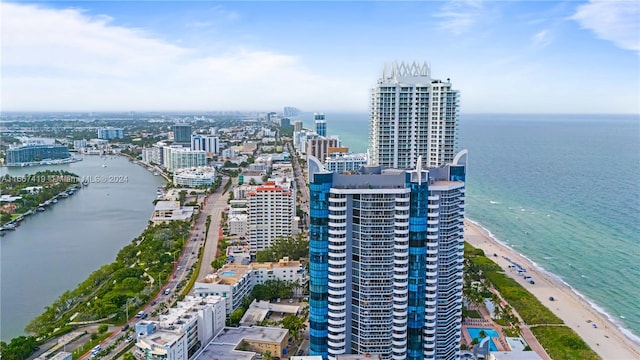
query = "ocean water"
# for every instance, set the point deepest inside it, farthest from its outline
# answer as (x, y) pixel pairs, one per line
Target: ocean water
(563, 190)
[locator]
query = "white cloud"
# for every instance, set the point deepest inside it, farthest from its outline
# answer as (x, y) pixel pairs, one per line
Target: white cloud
(458, 16)
(615, 21)
(67, 60)
(542, 38)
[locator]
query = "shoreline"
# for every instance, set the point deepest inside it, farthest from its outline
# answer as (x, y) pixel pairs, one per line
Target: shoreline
(608, 340)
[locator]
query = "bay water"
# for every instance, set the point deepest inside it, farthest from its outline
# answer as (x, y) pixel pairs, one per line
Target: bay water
(53, 251)
(563, 190)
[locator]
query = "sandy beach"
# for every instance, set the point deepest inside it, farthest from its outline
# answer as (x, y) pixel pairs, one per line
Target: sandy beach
(605, 339)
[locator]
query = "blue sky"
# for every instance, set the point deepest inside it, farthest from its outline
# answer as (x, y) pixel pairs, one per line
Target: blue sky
(503, 56)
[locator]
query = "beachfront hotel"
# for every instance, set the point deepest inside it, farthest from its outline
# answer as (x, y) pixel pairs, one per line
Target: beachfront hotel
(386, 250)
(413, 115)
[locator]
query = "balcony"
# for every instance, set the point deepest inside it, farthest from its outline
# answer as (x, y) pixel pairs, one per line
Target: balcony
(339, 263)
(337, 292)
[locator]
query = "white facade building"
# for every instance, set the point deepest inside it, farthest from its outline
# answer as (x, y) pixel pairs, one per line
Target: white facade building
(194, 177)
(413, 115)
(341, 162)
(180, 158)
(272, 207)
(186, 328)
(235, 281)
(206, 143)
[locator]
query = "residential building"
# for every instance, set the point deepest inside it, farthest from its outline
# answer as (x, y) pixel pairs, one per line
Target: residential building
(79, 144)
(297, 125)
(153, 155)
(321, 124)
(36, 152)
(234, 282)
(345, 162)
(413, 115)
(180, 158)
(285, 122)
(318, 147)
(194, 177)
(258, 311)
(272, 207)
(181, 332)
(229, 153)
(386, 250)
(182, 134)
(242, 343)
(206, 143)
(290, 111)
(110, 133)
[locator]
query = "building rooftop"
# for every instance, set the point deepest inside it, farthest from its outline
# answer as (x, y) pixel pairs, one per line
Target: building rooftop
(255, 333)
(167, 205)
(227, 275)
(215, 351)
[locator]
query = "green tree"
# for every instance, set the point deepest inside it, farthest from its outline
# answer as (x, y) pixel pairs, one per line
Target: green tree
(19, 348)
(294, 324)
(236, 316)
(103, 328)
(129, 356)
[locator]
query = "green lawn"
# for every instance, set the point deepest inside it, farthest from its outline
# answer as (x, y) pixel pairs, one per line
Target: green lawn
(562, 343)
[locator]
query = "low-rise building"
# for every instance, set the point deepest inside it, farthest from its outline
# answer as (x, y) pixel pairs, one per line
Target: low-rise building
(242, 343)
(234, 281)
(194, 177)
(166, 211)
(183, 331)
(260, 310)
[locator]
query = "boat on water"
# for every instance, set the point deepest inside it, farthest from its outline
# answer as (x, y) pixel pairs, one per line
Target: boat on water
(28, 213)
(40, 209)
(54, 201)
(9, 227)
(63, 195)
(104, 165)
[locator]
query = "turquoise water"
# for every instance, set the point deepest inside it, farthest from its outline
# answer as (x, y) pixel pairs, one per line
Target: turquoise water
(475, 333)
(227, 273)
(560, 189)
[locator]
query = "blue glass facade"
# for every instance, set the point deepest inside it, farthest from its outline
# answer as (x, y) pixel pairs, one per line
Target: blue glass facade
(417, 269)
(318, 263)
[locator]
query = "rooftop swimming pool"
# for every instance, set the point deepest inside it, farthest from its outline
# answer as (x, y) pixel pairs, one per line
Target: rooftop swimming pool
(227, 273)
(492, 333)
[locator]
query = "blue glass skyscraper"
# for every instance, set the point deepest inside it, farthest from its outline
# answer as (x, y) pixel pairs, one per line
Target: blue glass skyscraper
(379, 241)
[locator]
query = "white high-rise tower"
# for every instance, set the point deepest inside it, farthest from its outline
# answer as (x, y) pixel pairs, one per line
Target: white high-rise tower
(413, 115)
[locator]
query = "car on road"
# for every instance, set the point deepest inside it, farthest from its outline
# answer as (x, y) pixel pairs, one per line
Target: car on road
(300, 352)
(125, 328)
(129, 339)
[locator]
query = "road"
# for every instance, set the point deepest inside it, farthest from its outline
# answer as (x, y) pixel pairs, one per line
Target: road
(301, 181)
(214, 204)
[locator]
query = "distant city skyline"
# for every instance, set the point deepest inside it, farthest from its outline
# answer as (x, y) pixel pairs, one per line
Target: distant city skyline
(504, 57)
